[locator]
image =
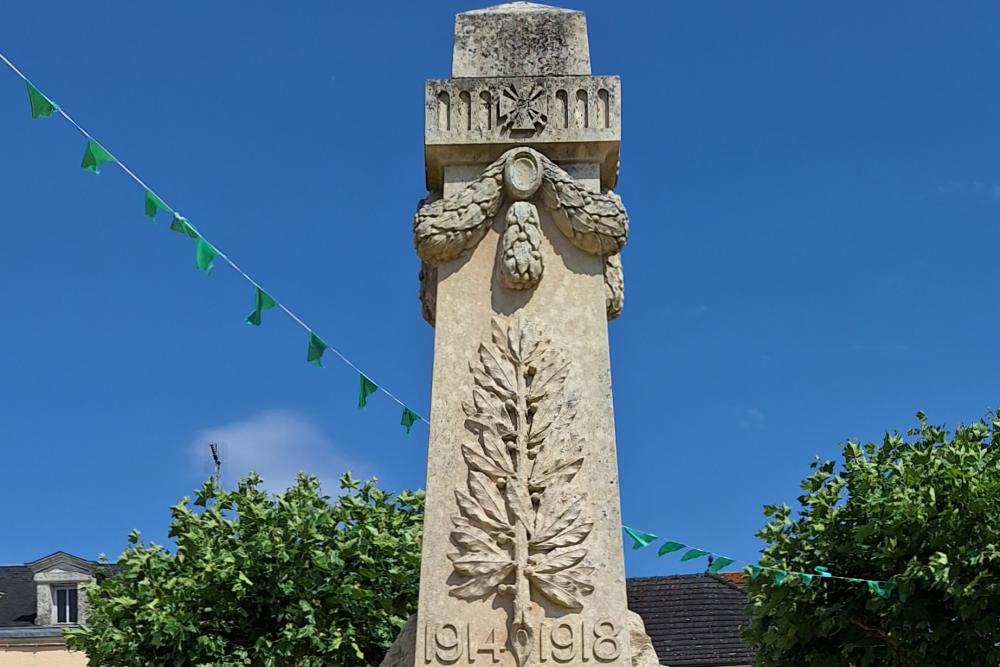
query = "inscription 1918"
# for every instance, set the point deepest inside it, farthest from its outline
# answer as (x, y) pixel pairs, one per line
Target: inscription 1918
(558, 642)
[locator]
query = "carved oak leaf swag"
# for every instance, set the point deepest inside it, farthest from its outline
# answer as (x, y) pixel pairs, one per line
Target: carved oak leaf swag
(514, 530)
(446, 228)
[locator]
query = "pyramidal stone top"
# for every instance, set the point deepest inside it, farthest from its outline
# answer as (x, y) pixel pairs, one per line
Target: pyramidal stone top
(520, 39)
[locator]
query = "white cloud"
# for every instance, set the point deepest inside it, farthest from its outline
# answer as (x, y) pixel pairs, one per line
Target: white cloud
(277, 444)
(752, 420)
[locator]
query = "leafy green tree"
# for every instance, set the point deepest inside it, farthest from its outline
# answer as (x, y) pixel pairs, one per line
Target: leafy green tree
(290, 580)
(922, 513)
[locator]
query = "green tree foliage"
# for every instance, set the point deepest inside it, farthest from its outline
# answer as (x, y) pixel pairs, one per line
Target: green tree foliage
(923, 513)
(290, 580)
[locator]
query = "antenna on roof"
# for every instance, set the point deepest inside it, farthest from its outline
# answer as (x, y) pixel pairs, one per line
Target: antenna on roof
(216, 460)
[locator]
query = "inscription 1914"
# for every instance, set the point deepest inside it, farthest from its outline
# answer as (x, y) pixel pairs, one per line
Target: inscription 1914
(559, 642)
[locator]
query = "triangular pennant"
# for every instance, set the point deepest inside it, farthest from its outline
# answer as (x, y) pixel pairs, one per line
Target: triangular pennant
(669, 548)
(180, 225)
(719, 563)
(154, 204)
(409, 418)
(639, 538)
(753, 571)
(316, 349)
(779, 577)
(881, 588)
(366, 389)
(204, 253)
(823, 571)
(261, 301)
(95, 156)
(807, 579)
(692, 554)
(41, 106)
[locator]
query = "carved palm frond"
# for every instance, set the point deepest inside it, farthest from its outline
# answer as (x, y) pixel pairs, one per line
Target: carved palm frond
(512, 538)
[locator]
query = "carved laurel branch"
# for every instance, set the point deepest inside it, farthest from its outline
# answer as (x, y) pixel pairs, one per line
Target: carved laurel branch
(514, 534)
(614, 286)
(595, 223)
(444, 229)
(521, 262)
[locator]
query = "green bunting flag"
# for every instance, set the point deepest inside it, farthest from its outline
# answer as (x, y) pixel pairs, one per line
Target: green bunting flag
(719, 563)
(669, 547)
(881, 588)
(366, 389)
(180, 225)
(41, 106)
(95, 156)
(640, 539)
(154, 204)
(692, 554)
(316, 349)
(204, 253)
(261, 301)
(409, 418)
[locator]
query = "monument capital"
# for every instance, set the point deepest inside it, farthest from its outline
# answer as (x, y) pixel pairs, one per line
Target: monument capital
(521, 76)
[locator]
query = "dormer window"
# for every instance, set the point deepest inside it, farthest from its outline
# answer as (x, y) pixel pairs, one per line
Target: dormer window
(66, 603)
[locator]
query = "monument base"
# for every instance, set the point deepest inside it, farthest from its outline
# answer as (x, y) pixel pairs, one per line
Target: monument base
(403, 650)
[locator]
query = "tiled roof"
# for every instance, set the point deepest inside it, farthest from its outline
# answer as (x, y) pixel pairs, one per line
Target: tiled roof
(693, 619)
(17, 604)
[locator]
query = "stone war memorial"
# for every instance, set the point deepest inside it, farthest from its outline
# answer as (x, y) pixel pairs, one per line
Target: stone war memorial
(519, 240)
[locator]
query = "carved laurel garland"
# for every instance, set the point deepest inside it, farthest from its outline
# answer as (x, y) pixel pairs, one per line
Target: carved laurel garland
(446, 228)
(514, 529)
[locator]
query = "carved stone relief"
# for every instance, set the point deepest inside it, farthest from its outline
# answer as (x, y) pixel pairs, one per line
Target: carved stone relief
(514, 534)
(596, 223)
(522, 111)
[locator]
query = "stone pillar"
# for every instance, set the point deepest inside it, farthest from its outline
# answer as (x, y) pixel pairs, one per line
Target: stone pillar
(522, 553)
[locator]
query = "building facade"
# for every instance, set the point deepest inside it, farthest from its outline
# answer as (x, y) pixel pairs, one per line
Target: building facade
(39, 600)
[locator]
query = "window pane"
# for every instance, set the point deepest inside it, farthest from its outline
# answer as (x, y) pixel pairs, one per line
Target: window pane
(72, 605)
(61, 605)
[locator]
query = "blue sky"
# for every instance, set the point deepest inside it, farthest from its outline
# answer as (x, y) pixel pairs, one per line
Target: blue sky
(814, 191)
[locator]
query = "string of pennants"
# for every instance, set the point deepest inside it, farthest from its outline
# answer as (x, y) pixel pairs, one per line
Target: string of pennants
(95, 156)
(780, 576)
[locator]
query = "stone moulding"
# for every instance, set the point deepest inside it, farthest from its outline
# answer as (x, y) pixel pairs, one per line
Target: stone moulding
(563, 115)
(446, 228)
(514, 534)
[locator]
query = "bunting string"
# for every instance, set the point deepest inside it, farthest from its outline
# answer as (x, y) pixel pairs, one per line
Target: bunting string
(717, 563)
(96, 155)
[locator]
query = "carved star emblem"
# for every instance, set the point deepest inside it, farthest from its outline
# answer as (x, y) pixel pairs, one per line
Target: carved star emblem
(522, 111)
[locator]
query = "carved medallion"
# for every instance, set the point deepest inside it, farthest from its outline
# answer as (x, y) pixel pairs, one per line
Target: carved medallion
(514, 532)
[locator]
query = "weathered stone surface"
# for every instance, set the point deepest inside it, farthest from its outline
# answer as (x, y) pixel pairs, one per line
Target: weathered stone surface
(401, 654)
(643, 653)
(522, 559)
(572, 119)
(520, 39)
